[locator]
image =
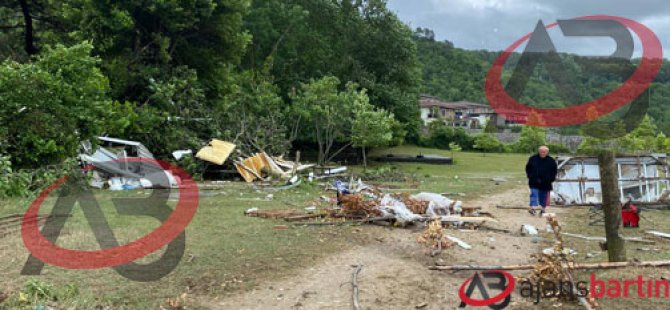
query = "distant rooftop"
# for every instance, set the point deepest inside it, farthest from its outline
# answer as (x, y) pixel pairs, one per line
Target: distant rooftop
(432, 101)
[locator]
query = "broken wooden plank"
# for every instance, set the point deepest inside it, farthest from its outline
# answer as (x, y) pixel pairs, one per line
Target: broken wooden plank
(602, 239)
(367, 220)
(467, 219)
(605, 265)
(302, 217)
(460, 243)
(659, 234)
(512, 208)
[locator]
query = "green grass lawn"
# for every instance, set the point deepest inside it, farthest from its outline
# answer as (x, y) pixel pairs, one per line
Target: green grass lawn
(471, 173)
(225, 251)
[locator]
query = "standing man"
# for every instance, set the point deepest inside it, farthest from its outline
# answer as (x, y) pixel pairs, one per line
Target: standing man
(541, 171)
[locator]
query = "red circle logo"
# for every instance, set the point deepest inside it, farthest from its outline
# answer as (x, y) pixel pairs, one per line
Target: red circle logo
(633, 87)
(492, 300)
(52, 254)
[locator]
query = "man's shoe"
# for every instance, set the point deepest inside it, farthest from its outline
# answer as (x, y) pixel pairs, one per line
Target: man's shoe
(542, 213)
(531, 211)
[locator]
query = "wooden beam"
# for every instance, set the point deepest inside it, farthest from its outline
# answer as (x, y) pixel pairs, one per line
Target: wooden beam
(604, 265)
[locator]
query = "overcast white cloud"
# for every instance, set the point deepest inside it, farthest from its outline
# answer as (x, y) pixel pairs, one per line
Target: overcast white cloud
(495, 24)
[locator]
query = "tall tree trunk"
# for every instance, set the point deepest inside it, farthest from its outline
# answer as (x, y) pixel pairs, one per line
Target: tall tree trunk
(365, 160)
(616, 248)
(28, 28)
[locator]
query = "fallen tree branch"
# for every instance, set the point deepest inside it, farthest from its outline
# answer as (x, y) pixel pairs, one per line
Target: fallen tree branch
(604, 265)
(659, 234)
(367, 220)
(354, 287)
(602, 239)
(512, 208)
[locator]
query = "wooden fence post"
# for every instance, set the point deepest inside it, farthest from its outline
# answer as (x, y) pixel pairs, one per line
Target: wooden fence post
(609, 182)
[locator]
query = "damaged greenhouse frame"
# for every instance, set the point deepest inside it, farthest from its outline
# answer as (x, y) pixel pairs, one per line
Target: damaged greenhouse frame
(641, 178)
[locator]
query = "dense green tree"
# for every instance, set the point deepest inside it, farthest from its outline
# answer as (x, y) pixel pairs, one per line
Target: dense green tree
(52, 104)
(370, 127)
(355, 41)
(328, 113)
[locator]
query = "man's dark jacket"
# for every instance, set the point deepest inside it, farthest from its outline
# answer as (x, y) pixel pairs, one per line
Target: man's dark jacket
(541, 172)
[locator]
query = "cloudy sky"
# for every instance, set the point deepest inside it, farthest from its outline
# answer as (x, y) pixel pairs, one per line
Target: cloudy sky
(496, 24)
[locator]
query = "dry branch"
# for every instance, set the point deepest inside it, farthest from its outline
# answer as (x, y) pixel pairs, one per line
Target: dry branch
(354, 287)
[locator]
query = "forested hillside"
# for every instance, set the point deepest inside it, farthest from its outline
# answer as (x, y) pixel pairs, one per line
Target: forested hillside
(456, 74)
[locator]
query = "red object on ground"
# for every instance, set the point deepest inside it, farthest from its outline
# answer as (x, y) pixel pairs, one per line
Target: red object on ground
(630, 216)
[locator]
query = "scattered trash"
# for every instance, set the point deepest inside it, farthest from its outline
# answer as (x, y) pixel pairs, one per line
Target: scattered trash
(549, 229)
(556, 265)
(261, 166)
(179, 154)
(460, 243)
(113, 168)
(566, 251)
(391, 206)
(440, 202)
(530, 230)
(435, 238)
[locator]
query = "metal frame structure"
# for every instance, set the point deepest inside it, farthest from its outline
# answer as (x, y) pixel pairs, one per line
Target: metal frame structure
(643, 178)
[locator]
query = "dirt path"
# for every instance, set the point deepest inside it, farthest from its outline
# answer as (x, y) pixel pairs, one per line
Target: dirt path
(394, 274)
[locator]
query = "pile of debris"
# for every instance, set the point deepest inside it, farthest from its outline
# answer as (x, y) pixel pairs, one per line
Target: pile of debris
(358, 202)
(556, 266)
(435, 238)
(118, 164)
(263, 167)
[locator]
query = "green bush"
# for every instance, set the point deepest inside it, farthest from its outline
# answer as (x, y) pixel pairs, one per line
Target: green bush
(559, 148)
(488, 143)
(440, 136)
(531, 138)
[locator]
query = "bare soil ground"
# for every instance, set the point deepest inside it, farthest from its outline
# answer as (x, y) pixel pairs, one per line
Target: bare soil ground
(394, 273)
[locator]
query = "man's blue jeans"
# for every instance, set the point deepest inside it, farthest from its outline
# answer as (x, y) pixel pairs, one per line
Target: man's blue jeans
(539, 197)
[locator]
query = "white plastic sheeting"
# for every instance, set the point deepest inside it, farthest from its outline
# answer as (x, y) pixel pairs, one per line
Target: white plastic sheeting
(390, 206)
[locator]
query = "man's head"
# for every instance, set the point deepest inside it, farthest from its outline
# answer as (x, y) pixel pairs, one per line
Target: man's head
(543, 151)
